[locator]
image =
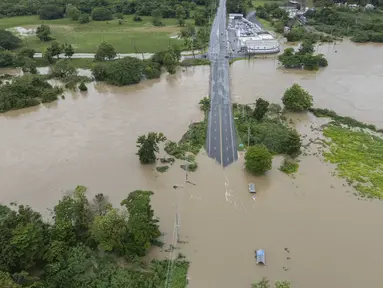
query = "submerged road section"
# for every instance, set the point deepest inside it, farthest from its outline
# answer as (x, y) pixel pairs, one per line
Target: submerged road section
(221, 138)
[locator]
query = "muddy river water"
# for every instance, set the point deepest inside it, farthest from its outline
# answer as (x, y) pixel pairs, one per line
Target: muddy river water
(315, 232)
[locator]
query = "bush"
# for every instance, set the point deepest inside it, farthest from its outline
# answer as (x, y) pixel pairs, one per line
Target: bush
(289, 166)
(82, 87)
(99, 72)
(83, 19)
(27, 52)
(125, 71)
(137, 18)
(258, 159)
(9, 41)
(297, 99)
(63, 69)
(51, 11)
(277, 137)
(26, 91)
(151, 69)
(101, 14)
(6, 59)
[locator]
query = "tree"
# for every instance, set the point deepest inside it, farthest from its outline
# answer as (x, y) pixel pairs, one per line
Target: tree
(261, 108)
(43, 32)
(172, 58)
(68, 50)
(6, 59)
(27, 52)
(56, 49)
(297, 99)
(8, 41)
(50, 12)
(75, 209)
(125, 71)
(83, 19)
(265, 283)
(72, 12)
(307, 47)
(148, 146)
(142, 225)
(258, 159)
(111, 231)
(293, 143)
(101, 14)
(105, 51)
(180, 12)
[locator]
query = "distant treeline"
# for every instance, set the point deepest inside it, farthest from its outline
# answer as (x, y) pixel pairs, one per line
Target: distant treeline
(10, 8)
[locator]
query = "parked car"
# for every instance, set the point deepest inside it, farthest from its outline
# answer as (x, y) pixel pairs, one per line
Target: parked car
(252, 188)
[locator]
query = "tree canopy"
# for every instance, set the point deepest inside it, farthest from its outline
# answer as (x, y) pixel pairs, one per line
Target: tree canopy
(8, 41)
(148, 146)
(258, 159)
(297, 99)
(85, 244)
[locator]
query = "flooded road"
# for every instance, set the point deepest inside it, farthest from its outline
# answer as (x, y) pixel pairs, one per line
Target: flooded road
(89, 139)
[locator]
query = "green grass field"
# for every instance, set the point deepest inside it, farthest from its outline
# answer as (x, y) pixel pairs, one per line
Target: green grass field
(130, 37)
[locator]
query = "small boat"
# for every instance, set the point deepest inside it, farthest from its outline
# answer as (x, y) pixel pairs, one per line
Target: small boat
(260, 255)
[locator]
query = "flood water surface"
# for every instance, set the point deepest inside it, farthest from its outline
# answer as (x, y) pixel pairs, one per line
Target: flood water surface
(314, 231)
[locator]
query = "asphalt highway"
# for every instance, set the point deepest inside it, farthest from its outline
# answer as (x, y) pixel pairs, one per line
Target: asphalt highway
(221, 138)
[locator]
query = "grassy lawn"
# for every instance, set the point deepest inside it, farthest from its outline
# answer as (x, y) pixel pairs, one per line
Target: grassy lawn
(359, 158)
(129, 37)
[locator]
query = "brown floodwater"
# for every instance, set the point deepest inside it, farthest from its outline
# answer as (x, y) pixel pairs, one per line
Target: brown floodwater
(332, 238)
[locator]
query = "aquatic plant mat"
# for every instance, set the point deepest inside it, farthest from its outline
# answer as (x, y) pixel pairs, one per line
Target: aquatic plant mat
(358, 154)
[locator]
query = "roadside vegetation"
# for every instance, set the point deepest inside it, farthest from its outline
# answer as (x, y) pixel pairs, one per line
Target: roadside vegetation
(84, 244)
(303, 58)
(262, 129)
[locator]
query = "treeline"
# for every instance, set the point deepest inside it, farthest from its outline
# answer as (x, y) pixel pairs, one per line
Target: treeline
(360, 25)
(84, 244)
(104, 9)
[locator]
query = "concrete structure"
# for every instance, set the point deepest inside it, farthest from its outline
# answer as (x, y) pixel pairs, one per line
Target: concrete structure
(248, 37)
(221, 137)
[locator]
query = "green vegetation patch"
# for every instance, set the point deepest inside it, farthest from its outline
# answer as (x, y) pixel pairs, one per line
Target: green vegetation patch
(195, 62)
(162, 169)
(361, 26)
(26, 91)
(274, 132)
(359, 158)
(289, 166)
(318, 112)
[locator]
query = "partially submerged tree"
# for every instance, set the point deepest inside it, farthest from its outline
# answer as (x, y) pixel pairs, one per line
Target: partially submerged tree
(258, 159)
(297, 99)
(261, 108)
(148, 146)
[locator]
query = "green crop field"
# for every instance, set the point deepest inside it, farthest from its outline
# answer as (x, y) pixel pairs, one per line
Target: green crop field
(128, 37)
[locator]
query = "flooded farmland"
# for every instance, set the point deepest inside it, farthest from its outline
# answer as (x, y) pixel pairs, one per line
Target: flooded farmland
(311, 227)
